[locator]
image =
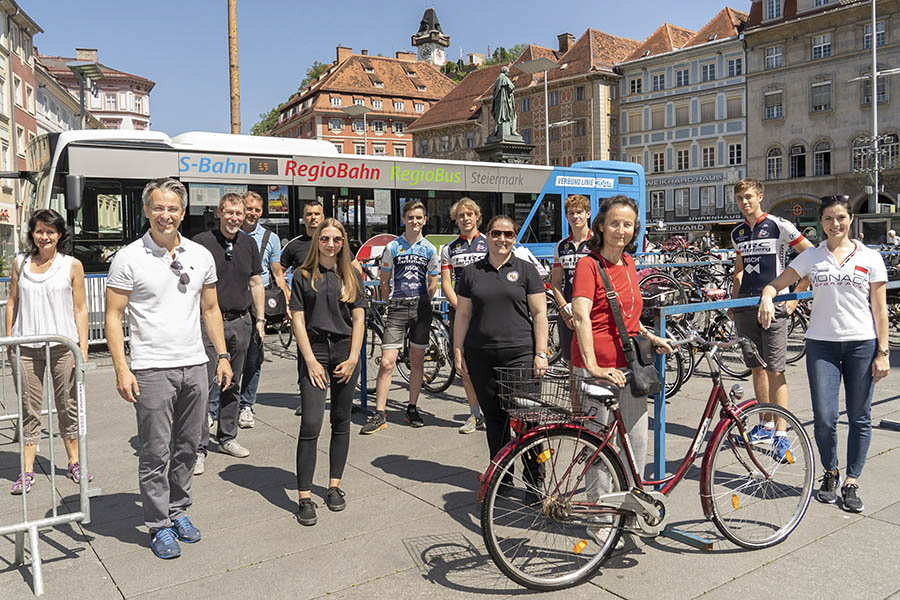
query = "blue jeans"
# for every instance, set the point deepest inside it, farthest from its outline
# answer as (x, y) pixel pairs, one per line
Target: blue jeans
(250, 380)
(826, 364)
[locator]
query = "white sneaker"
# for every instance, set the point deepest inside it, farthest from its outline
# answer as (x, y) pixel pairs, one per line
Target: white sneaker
(210, 422)
(471, 424)
(245, 421)
(200, 465)
(234, 449)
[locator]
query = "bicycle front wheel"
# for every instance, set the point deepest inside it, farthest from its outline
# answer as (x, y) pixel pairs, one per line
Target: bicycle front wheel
(372, 351)
(758, 504)
(439, 368)
(286, 333)
(730, 361)
(542, 525)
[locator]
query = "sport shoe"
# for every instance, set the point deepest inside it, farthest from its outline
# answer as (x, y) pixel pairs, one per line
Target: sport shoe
(245, 421)
(307, 513)
(334, 499)
(299, 410)
(471, 424)
(200, 465)
(163, 543)
(234, 449)
(74, 473)
(851, 501)
(210, 422)
(18, 485)
(760, 433)
(185, 530)
(413, 417)
(827, 493)
(376, 422)
(782, 449)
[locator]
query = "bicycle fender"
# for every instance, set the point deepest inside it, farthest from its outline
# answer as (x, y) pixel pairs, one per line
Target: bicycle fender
(486, 477)
(705, 490)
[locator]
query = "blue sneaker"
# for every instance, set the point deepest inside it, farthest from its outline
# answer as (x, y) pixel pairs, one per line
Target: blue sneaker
(782, 449)
(163, 544)
(185, 530)
(760, 433)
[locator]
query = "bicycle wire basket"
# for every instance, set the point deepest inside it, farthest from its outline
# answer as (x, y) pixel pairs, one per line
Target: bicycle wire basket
(532, 399)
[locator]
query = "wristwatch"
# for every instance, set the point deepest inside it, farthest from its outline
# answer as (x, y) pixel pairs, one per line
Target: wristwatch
(260, 320)
(225, 355)
(885, 352)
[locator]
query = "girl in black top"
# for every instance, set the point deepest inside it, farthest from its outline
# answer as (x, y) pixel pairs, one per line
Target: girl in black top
(328, 310)
(501, 321)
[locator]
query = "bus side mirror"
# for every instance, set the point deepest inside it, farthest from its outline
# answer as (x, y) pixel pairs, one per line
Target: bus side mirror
(74, 191)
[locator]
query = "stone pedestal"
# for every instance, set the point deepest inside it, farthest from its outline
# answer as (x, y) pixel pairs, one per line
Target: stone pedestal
(506, 151)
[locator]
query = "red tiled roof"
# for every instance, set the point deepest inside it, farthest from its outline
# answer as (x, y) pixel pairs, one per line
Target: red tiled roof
(534, 52)
(594, 51)
(57, 67)
(665, 39)
(464, 101)
(726, 24)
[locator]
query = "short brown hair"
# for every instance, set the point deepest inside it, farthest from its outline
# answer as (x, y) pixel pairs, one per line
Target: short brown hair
(251, 195)
(231, 198)
(465, 202)
(748, 183)
(577, 201)
(412, 205)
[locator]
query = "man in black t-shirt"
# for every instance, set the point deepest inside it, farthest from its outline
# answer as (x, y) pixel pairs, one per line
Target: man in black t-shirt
(295, 252)
(241, 298)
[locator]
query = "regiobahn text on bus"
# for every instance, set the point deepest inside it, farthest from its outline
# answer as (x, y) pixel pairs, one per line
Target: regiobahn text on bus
(361, 172)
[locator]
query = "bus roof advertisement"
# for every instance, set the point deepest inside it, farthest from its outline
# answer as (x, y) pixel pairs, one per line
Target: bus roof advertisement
(219, 167)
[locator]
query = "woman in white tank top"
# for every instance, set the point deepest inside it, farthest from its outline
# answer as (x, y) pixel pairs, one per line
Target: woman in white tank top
(47, 297)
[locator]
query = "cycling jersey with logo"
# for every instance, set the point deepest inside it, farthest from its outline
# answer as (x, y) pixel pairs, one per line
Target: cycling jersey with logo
(461, 252)
(763, 248)
(566, 255)
(411, 264)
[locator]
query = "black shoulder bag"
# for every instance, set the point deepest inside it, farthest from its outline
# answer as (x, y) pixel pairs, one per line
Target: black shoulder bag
(639, 352)
(276, 305)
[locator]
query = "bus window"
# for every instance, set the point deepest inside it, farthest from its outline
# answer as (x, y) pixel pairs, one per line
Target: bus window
(546, 224)
(100, 216)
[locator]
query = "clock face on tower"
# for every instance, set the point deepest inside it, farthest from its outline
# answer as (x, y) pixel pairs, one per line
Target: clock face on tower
(426, 52)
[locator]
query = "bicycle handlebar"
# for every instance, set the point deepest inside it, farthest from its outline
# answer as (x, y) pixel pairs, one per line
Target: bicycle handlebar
(746, 345)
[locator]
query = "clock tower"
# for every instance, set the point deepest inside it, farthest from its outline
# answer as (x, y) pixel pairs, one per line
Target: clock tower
(430, 41)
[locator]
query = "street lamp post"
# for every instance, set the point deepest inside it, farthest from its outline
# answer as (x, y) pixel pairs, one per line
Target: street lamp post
(87, 74)
(541, 65)
(355, 111)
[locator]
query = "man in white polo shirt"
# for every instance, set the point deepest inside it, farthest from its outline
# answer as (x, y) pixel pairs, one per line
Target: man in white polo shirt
(165, 281)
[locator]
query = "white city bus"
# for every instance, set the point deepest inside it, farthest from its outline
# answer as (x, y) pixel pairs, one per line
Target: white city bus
(95, 179)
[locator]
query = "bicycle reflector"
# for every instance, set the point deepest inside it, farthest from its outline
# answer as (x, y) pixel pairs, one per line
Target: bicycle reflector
(735, 501)
(544, 456)
(579, 547)
(788, 457)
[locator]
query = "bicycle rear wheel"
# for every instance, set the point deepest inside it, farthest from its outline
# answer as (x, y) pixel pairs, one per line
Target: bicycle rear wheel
(373, 357)
(440, 369)
(285, 334)
(749, 508)
(730, 361)
(674, 374)
(527, 519)
(796, 342)
(688, 360)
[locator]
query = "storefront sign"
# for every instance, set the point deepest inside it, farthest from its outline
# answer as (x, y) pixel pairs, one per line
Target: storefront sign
(687, 179)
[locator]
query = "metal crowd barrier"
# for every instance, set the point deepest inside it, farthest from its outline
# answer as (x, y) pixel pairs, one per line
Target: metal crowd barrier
(83, 515)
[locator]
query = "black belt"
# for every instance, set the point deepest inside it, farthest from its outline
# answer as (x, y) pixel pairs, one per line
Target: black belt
(327, 337)
(415, 300)
(231, 315)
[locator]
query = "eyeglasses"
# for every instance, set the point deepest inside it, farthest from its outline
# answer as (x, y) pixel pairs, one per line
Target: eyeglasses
(836, 198)
(178, 269)
(229, 250)
(499, 233)
(337, 239)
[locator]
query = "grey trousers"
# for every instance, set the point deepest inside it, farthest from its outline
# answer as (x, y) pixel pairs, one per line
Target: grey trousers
(169, 412)
(237, 342)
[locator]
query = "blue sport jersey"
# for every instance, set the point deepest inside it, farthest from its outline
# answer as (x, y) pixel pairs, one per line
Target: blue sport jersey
(763, 248)
(411, 265)
(461, 252)
(566, 255)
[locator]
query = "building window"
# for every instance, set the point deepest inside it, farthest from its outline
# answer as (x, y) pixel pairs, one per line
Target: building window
(613, 126)
(445, 143)
(681, 78)
(708, 201)
(376, 104)
(335, 100)
(420, 87)
(708, 72)
(554, 134)
(798, 161)
(734, 107)
(821, 46)
(526, 135)
(553, 98)
(682, 115)
(708, 111)
(634, 122)
(29, 98)
(658, 119)
(378, 126)
(682, 159)
(735, 154)
(890, 151)
(709, 157)
(773, 9)
(579, 93)
(398, 126)
(860, 153)
(20, 140)
(731, 207)
(773, 163)
(18, 91)
(735, 67)
(470, 138)
(773, 57)
(820, 96)
(369, 69)
(398, 106)
(580, 128)
(423, 147)
(358, 125)
(613, 92)
(339, 146)
(359, 101)
(378, 149)
(139, 104)
(419, 107)
(819, 3)
(879, 35)
(822, 159)
(659, 162)
(658, 204)
(635, 85)
(658, 82)
(359, 148)
(378, 84)
(399, 150)
(682, 202)
(309, 127)
(867, 91)
(110, 102)
(335, 124)
(773, 105)
(526, 105)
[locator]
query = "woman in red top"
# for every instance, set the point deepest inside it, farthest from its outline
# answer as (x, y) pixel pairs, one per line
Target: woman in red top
(597, 349)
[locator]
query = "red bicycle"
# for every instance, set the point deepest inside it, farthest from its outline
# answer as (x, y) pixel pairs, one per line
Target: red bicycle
(552, 524)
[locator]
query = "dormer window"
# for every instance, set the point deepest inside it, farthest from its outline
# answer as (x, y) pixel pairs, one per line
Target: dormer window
(369, 69)
(378, 84)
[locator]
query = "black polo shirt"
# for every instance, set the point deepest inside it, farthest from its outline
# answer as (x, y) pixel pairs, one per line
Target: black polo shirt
(322, 308)
(295, 252)
(500, 315)
(233, 286)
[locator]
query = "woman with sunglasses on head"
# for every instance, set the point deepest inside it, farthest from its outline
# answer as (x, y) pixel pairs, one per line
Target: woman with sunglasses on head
(328, 313)
(47, 297)
(847, 338)
(501, 321)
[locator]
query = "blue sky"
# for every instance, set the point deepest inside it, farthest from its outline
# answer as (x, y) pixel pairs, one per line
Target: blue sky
(182, 45)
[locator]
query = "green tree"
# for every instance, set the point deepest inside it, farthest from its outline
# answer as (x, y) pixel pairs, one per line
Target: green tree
(502, 55)
(314, 71)
(267, 121)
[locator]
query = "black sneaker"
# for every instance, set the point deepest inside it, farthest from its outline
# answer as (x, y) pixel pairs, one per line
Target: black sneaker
(307, 513)
(851, 501)
(413, 417)
(828, 492)
(334, 499)
(376, 422)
